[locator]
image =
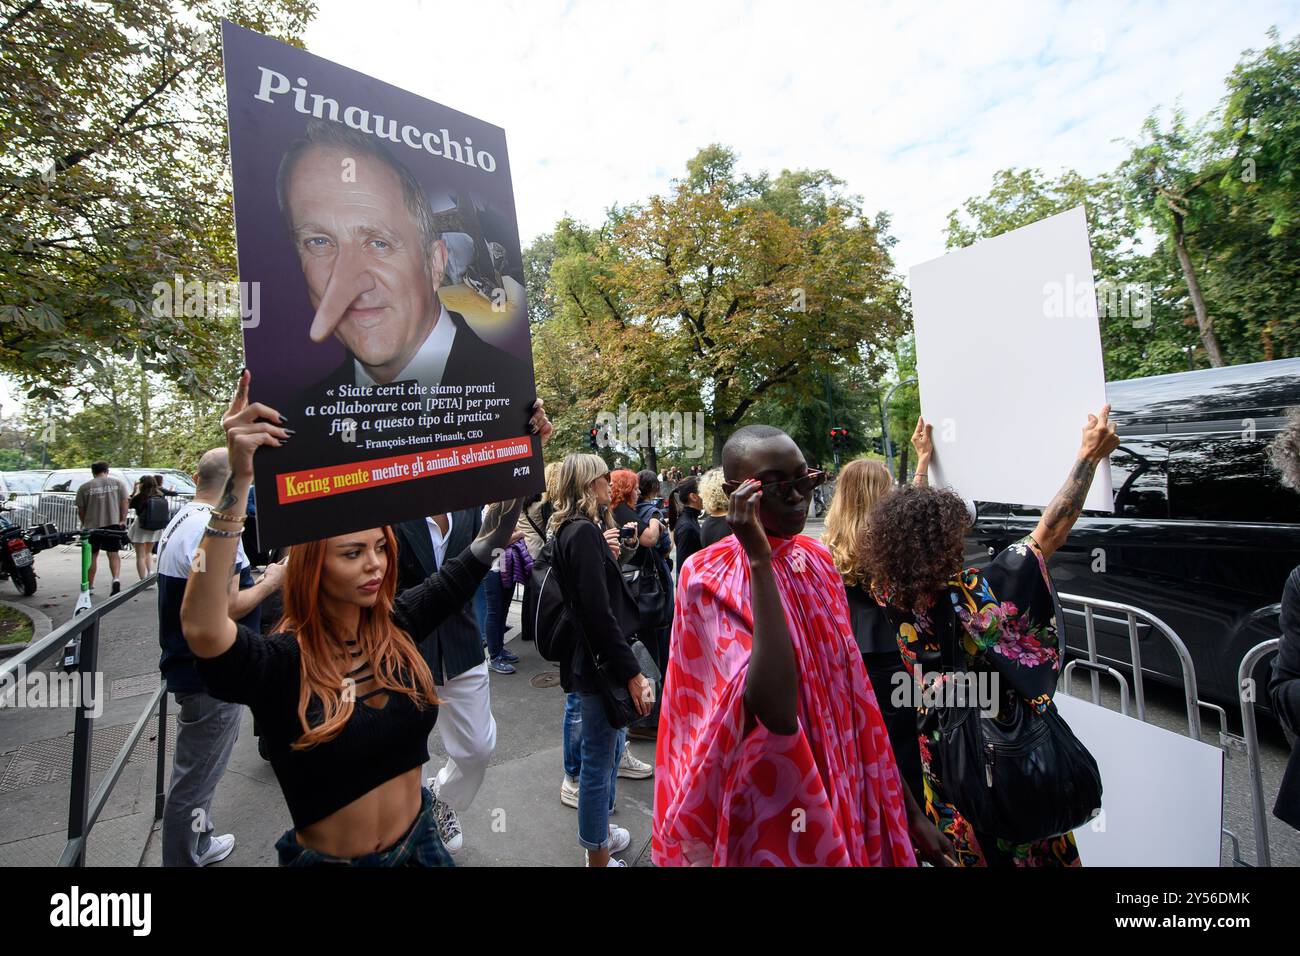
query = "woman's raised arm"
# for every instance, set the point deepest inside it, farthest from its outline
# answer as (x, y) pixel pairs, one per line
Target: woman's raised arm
(205, 610)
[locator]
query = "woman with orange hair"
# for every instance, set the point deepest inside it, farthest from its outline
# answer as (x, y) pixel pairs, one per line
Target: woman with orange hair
(342, 695)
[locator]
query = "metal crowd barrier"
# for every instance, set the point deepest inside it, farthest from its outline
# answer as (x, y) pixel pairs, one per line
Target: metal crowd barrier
(84, 808)
(1228, 742)
(1249, 741)
(60, 508)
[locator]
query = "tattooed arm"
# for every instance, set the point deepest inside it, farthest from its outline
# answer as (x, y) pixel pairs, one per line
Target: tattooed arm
(1099, 440)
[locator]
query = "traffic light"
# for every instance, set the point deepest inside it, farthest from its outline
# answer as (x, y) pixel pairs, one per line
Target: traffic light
(839, 437)
(592, 437)
(878, 445)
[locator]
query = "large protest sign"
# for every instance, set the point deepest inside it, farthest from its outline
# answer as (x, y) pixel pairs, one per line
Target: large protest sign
(377, 235)
(1008, 356)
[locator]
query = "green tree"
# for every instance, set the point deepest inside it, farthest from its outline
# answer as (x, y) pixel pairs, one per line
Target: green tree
(114, 178)
(729, 290)
(1169, 179)
(1261, 128)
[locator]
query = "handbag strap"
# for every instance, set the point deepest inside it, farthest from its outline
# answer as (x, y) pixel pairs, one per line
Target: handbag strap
(564, 592)
(540, 531)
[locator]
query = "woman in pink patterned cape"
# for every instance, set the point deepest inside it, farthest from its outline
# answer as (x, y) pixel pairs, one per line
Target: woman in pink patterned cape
(772, 750)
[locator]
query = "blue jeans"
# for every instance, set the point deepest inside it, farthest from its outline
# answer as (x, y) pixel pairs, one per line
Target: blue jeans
(494, 618)
(573, 739)
(420, 846)
(601, 749)
(572, 734)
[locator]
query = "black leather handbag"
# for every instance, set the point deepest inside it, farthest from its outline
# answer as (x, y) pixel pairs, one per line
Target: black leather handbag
(1022, 779)
(620, 709)
(644, 580)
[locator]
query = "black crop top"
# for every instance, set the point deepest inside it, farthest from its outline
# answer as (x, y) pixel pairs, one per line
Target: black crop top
(376, 744)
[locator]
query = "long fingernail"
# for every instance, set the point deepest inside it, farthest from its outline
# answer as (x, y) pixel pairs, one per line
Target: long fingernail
(290, 431)
(283, 420)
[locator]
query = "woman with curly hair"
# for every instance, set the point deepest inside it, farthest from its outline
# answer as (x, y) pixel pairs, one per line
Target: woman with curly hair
(914, 556)
(861, 484)
(714, 527)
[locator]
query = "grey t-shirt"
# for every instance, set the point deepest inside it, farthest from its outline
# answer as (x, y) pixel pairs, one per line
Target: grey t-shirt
(100, 499)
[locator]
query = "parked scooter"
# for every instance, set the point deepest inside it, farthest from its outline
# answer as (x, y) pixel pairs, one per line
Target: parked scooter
(18, 550)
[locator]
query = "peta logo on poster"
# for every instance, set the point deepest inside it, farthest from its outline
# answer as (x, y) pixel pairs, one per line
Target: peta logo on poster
(103, 909)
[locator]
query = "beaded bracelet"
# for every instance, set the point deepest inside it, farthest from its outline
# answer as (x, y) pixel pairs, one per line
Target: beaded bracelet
(219, 533)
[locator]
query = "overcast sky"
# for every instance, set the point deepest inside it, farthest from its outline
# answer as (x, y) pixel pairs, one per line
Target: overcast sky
(915, 105)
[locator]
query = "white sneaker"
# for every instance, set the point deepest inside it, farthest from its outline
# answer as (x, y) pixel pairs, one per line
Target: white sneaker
(219, 847)
(634, 769)
(448, 826)
(610, 862)
(569, 792)
(619, 839)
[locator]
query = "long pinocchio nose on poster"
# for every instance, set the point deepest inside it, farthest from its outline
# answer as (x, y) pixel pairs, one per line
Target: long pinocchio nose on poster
(348, 279)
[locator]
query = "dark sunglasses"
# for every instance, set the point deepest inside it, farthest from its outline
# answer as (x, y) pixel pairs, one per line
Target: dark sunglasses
(805, 483)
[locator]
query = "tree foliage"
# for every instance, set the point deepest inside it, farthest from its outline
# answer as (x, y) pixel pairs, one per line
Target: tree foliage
(726, 292)
(114, 177)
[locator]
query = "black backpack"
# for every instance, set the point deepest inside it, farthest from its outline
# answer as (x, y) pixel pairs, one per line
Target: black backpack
(155, 514)
(555, 630)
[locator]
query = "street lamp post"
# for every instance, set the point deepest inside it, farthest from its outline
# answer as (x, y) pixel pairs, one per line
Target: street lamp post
(884, 423)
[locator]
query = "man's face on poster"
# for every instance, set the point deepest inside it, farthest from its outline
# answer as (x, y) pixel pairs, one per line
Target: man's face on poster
(370, 279)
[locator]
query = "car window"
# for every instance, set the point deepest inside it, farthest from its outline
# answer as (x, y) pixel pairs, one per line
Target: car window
(66, 481)
(1228, 479)
(178, 483)
(1139, 480)
(24, 484)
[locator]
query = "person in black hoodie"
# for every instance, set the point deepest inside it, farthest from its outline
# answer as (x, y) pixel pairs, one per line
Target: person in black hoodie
(686, 529)
(587, 551)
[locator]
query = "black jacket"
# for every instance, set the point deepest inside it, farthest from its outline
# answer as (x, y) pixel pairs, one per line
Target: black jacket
(872, 630)
(687, 536)
(605, 608)
(454, 646)
(713, 529)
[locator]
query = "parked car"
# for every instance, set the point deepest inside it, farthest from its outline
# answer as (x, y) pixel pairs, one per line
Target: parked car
(19, 491)
(173, 480)
(1203, 534)
(57, 500)
(23, 482)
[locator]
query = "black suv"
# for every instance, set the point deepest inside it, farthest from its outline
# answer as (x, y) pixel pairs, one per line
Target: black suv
(1203, 534)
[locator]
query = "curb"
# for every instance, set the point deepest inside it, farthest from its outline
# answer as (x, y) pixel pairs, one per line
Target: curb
(41, 626)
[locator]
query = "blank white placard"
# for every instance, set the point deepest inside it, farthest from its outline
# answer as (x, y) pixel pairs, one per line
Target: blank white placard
(1008, 357)
(1162, 792)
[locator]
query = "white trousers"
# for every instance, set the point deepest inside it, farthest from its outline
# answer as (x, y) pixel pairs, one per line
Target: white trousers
(469, 733)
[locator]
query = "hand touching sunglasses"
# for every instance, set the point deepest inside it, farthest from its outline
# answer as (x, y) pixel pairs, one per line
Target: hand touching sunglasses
(805, 483)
